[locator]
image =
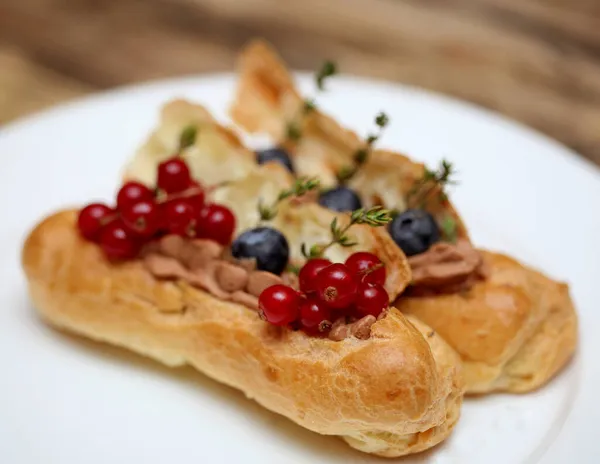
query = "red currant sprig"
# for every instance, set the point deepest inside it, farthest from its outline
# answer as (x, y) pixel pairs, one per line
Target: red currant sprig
(176, 207)
(328, 291)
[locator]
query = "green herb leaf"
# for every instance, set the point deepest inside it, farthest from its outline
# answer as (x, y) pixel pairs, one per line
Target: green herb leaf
(301, 186)
(362, 154)
(328, 69)
(309, 106)
(293, 268)
(374, 217)
(188, 137)
(431, 181)
(293, 132)
(449, 229)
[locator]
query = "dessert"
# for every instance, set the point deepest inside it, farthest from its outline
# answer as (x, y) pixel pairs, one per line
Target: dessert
(513, 327)
(232, 271)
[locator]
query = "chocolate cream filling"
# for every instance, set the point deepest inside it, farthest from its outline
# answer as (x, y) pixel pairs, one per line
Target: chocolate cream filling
(209, 266)
(446, 268)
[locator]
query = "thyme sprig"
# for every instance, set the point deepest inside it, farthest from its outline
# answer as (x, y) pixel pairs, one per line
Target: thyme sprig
(187, 138)
(374, 217)
(362, 154)
(293, 128)
(301, 186)
(431, 181)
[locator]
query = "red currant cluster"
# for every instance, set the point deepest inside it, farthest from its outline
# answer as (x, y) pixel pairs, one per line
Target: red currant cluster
(328, 291)
(141, 214)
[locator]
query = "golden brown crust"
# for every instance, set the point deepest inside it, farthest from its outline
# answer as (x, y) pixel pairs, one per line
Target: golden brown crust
(396, 393)
(501, 328)
(513, 330)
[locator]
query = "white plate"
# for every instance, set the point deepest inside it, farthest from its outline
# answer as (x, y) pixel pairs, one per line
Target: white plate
(65, 400)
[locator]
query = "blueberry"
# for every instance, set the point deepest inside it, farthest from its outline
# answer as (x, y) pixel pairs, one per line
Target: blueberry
(414, 231)
(268, 246)
(340, 199)
(276, 154)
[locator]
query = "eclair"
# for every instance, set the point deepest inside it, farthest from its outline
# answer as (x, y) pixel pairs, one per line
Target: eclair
(513, 327)
(211, 260)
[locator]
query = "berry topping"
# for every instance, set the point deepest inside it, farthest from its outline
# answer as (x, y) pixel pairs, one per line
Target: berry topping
(336, 285)
(117, 242)
(141, 218)
(132, 192)
(180, 217)
(93, 218)
(315, 316)
(414, 231)
(340, 199)
(371, 299)
(268, 246)
(173, 175)
(217, 222)
(308, 273)
(278, 155)
(195, 195)
(367, 267)
(279, 304)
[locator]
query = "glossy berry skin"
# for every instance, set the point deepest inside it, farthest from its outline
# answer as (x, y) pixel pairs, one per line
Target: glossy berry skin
(341, 199)
(362, 264)
(216, 222)
(133, 192)
(268, 246)
(92, 219)
(308, 273)
(336, 286)
(314, 315)
(180, 217)
(414, 231)
(278, 155)
(141, 218)
(117, 243)
(371, 299)
(279, 304)
(173, 175)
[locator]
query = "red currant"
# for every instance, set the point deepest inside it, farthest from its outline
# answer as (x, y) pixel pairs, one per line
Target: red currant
(117, 242)
(93, 218)
(141, 218)
(173, 175)
(217, 223)
(279, 304)
(314, 314)
(196, 196)
(309, 272)
(367, 267)
(371, 299)
(180, 217)
(132, 192)
(336, 286)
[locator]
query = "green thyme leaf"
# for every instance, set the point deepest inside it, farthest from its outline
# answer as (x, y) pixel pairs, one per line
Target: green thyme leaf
(188, 137)
(362, 154)
(431, 181)
(328, 69)
(374, 217)
(449, 229)
(301, 186)
(293, 132)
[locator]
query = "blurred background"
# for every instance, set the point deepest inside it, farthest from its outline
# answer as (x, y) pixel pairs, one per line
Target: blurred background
(537, 61)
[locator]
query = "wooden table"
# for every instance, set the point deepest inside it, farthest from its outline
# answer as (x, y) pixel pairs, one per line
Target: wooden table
(537, 61)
